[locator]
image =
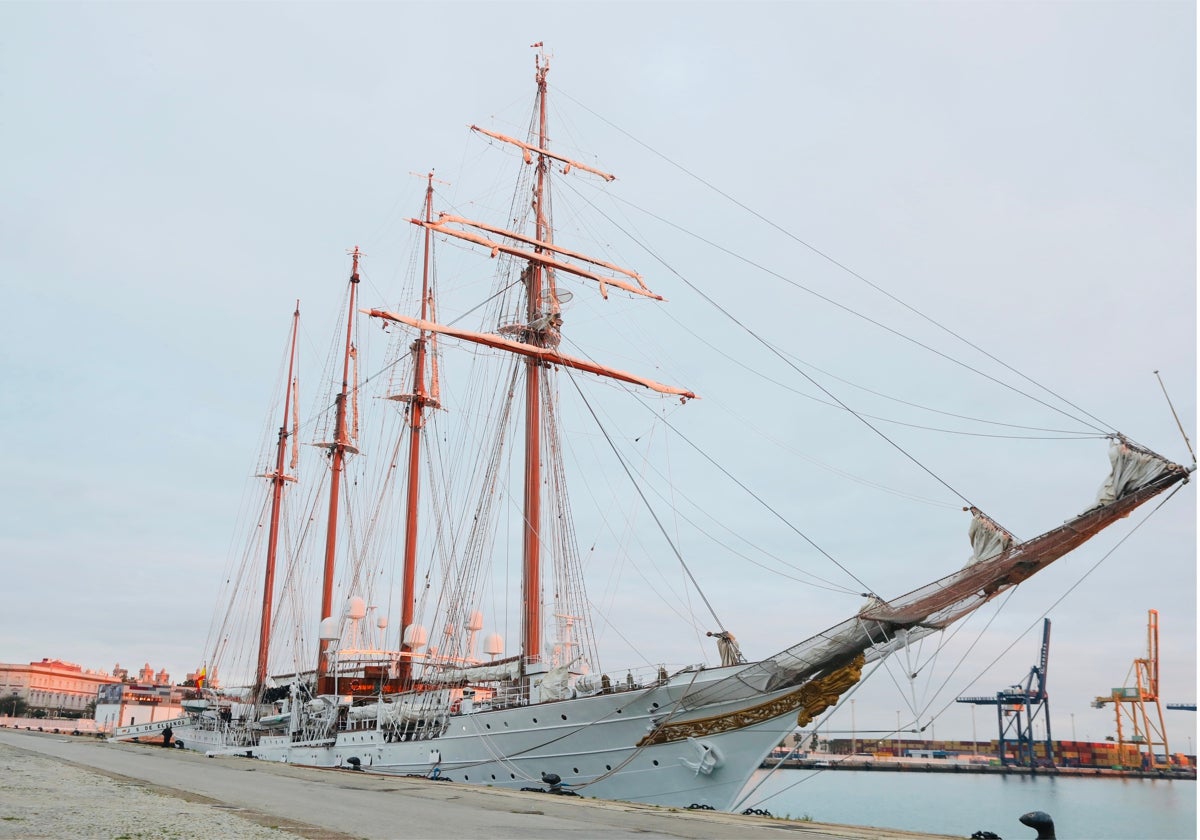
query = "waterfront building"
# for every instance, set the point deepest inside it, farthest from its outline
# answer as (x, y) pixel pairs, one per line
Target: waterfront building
(55, 687)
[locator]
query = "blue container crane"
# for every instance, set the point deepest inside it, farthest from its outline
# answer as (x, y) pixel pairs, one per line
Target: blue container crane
(1018, 706)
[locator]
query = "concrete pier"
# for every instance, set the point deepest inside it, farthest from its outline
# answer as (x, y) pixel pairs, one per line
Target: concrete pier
(63, 786)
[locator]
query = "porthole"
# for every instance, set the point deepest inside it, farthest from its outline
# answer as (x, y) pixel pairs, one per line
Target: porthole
(575, 770)
(564, 717)
(607, 766)
(493, 777)
(488, 725)
(653, 705)
(656, 762)
(512, 775)
(535, 720)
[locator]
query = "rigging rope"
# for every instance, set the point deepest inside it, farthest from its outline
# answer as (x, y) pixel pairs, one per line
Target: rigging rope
(637, 488)
(750, 492)
(1058, 434)
(844, 268)
(767, 506)
(912, 673)
(701, 529)
(787, 361)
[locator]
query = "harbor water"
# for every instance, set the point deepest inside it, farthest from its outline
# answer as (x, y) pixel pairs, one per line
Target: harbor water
(1083, 808)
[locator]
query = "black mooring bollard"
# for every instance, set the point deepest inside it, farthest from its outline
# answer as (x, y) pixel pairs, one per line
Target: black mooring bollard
(1040, 821)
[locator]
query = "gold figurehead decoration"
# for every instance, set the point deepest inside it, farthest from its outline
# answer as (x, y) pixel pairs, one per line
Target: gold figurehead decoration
(818, 695)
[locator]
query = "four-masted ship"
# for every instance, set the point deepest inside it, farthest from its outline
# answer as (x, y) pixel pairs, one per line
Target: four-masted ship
(541, 716)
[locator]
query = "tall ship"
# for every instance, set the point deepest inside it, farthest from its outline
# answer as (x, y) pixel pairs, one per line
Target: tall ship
(383, 660)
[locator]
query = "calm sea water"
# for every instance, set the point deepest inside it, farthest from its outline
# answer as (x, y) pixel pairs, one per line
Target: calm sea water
(945, 803)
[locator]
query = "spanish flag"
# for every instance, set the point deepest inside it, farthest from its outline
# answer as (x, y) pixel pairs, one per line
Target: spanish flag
(200, 677)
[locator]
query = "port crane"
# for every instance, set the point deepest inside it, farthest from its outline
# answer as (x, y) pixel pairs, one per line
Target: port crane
(1132, 703)
(1018, 706)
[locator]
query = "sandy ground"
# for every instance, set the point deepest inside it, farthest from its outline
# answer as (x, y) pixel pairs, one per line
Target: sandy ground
(46, 798)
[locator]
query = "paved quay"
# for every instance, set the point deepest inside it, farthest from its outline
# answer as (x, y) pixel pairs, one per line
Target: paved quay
(55, 786)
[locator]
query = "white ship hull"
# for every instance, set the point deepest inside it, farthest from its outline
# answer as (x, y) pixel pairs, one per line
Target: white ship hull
(597, 746)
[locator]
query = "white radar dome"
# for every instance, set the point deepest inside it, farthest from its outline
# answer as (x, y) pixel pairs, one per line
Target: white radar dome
(415, 636)
(329, 630)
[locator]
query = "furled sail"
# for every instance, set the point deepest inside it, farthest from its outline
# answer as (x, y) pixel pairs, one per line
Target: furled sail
(477, 673)
(988, 539)
(407, 709)
(879, 628)
(1132, 466)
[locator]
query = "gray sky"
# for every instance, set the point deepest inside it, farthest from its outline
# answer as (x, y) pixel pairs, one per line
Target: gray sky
(176, 175)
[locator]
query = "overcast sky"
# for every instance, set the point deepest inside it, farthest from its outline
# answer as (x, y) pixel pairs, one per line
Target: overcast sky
(176, 175)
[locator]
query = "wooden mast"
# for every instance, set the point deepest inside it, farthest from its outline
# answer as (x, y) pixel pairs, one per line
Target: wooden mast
(532, 546)
(418, 400)
(338, 448)
(539, 336)
(278, 479)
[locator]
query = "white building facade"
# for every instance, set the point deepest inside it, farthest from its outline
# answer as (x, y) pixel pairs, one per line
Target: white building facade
(52, 685)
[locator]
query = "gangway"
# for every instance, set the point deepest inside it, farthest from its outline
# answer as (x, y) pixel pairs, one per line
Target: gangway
(140, 730)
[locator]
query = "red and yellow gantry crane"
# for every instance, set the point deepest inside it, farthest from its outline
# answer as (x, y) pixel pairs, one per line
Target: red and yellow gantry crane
(1133, 704)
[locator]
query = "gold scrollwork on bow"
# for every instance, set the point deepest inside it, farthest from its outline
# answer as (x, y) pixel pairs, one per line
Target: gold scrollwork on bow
(812, 698)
